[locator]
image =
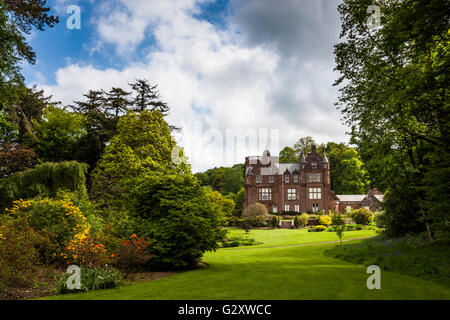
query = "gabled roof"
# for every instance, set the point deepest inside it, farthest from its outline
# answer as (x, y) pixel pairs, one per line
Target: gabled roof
(351, 197)
(379, 197)
(290, 167)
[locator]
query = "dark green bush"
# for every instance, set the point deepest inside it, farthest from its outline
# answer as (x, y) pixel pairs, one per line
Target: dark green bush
(274, 222)
(174, 212)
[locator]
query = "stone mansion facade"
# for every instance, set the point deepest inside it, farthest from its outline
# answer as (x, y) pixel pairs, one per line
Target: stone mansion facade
(299, 187)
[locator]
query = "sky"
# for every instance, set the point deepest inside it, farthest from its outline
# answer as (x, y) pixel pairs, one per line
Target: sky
(239, 76)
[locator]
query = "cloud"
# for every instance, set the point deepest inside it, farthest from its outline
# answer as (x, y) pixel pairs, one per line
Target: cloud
(269, 68)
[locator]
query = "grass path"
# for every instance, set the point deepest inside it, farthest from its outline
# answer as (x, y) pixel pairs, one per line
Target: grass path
(294, 272)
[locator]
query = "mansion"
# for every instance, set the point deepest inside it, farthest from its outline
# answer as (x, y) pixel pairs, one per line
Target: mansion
(299, 187)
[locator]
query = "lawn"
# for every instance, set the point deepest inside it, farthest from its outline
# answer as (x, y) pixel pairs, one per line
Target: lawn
(296, 272)
(288, 237)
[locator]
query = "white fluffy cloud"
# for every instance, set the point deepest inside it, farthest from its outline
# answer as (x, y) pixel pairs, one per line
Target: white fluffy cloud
(232, 78)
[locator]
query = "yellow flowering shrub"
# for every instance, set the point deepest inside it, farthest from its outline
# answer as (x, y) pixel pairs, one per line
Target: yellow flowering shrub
(58, 219)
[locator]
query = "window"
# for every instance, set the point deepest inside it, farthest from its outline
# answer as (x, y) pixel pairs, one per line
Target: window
(274, 208)
(265, 194)
(296, 178)
(286, 178)
(270, 179)
(367, 207)
(314, 165)
(315, 207)
(348, 208)
(287, 208)
(297, 208)
(315, 193)
(314, 177)
(292, 194)
(258, 179)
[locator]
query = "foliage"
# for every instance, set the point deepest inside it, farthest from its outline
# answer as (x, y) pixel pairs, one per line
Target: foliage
(142, 146)
(175, 213)
(325, 220)
(8, 129)
(304, 217)
(220, 203)
(274, 222)
(318, 228)
(133, 254)
(409, 255)
(238, 241)
(338, 223)
(15, 158)
(85, 250)
(44, 180)
(225, 180)
(92, 279)
(58, 134)
(19, 255)
(256, 214)
(303, 145)
(297, 223)
(287, 155)
(380, 219)
(394, 96)
(58, 220)
(362, 216)
(347, 174)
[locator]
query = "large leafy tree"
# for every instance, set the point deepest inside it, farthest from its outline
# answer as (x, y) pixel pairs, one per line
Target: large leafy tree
(394, 95)
(288, 155)
(303, 145)
(142, 146)
(346, 169)
(58, 134)
(226, 180)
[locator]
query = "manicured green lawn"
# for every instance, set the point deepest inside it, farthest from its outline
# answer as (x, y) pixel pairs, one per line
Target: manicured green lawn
(276, 273)
(287, 237)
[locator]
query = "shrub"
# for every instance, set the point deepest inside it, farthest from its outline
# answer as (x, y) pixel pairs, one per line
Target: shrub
(380, 220)
(325, 220)
(174, 212)
(362, 216)
(319, 228)
(59, 220)
(304, 219)
(133, 254)
(84, 250)
(296, 222)
(238, 241)
(19, 254)
(91, 279)
(256, 214)
(274, 222)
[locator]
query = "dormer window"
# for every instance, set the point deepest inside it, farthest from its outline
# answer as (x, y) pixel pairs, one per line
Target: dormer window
(286, 178)
(313, 165)
(258, 179)
(295, 178)
(271, 179)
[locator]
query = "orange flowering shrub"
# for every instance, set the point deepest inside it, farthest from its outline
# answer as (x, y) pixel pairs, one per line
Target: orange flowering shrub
(133, 254)
(84, 250)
